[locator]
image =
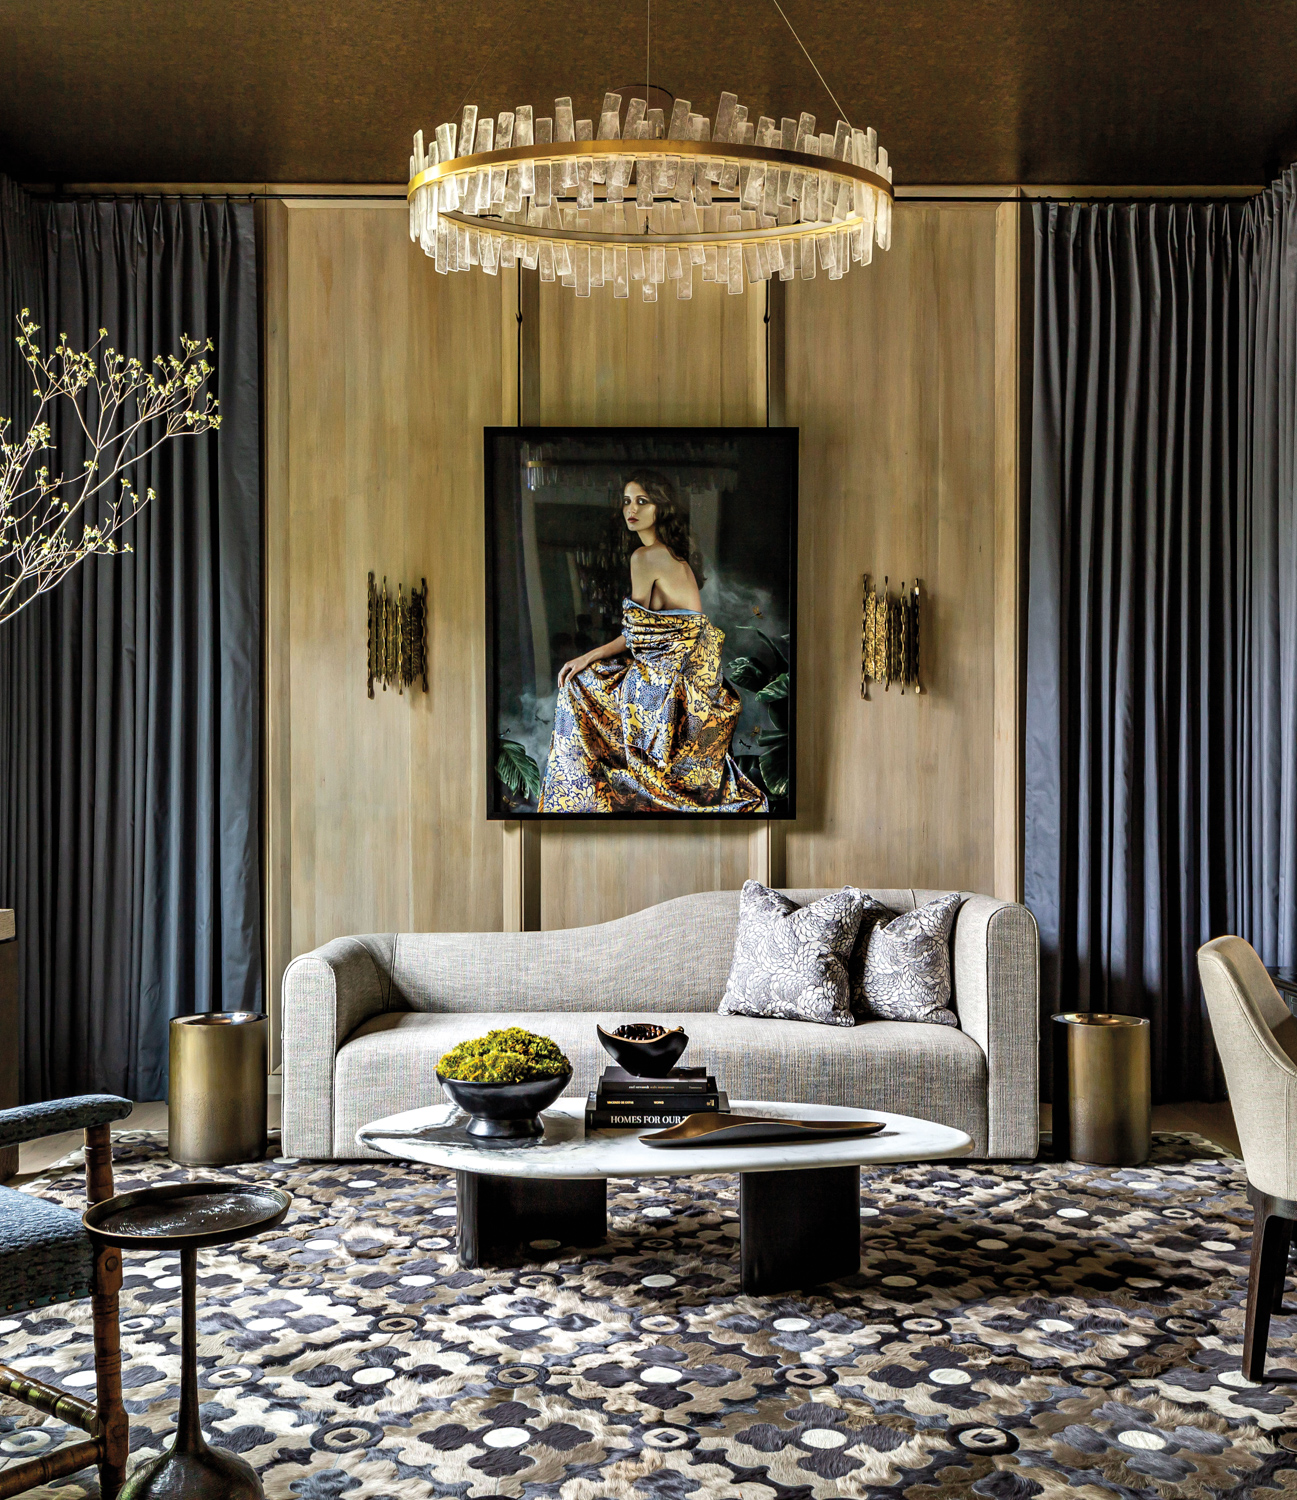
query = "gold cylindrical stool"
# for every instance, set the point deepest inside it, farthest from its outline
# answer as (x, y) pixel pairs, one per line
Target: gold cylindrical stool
(217, 1099)
(1103, 1089)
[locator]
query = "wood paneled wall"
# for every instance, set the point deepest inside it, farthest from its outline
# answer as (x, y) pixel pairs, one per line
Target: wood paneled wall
(891, 377)
(380, 377)
(699, 363)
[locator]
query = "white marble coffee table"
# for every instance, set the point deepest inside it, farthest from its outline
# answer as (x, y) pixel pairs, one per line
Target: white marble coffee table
(799, 1202)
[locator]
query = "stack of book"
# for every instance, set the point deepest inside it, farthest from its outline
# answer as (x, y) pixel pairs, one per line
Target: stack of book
(624, 1102)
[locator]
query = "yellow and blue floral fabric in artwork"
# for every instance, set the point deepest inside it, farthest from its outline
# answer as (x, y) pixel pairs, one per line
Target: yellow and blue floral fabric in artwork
(650, 730)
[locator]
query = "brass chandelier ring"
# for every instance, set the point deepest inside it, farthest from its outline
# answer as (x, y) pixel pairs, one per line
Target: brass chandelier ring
(643, 241)
(637, 150)
(741, 201)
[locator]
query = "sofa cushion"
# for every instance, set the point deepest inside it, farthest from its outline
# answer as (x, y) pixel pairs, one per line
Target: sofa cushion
(933, 1072)
(790, 961)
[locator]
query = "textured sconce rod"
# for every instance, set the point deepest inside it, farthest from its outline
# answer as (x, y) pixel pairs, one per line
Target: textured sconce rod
(889, 636)
(398, 637)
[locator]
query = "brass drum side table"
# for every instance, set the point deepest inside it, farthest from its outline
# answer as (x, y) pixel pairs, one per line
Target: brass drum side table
(189, 1217)
(217, 1093)
(1103, 1089)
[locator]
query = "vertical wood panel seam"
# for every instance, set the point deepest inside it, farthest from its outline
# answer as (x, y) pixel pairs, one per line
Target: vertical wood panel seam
(1007, 770)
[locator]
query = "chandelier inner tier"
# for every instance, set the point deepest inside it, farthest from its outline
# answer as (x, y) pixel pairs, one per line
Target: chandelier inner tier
(649, 200)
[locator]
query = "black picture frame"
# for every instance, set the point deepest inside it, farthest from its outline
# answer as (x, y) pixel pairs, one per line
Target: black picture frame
(771, 451)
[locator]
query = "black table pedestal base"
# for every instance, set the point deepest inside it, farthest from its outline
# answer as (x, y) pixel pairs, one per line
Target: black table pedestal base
(798, 1229)
(191, 1469)
(499, 1217)
(207, 1474)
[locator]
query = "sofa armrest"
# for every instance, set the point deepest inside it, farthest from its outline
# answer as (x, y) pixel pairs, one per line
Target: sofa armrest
(326, 995)
(997, 995)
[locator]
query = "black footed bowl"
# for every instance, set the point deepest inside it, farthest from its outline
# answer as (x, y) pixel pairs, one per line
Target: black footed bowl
(644, 1049)
(506, 1111)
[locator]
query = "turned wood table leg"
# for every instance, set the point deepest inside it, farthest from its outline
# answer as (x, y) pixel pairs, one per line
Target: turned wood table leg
(104, 1313)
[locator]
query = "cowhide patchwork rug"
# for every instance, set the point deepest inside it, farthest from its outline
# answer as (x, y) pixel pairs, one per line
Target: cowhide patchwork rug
(1052, 1330)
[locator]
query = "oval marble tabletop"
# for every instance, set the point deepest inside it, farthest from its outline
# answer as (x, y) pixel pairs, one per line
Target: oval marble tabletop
(436, 1135)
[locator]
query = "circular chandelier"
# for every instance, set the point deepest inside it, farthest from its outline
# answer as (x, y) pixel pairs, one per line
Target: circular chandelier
(648, 199)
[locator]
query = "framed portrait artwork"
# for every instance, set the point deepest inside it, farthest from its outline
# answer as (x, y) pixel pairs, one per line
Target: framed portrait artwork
(641, 607)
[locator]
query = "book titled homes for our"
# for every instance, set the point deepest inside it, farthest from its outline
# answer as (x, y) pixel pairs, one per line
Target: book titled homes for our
(621, 1117)
(624, 1102)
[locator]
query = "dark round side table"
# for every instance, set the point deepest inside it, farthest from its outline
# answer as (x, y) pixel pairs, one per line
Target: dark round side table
(189, 1217)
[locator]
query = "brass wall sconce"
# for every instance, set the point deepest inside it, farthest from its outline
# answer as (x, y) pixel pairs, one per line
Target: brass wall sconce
(398, 637)
(889, 636)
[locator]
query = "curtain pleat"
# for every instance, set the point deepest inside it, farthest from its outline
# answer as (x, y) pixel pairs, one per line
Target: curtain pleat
(132, 691)
(1161, 730)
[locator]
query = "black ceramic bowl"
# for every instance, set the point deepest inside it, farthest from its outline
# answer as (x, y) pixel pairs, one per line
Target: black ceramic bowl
(507, 1111)
(649, 1052)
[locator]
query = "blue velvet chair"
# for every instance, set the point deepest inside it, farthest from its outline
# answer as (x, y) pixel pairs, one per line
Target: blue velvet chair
(46, 1257)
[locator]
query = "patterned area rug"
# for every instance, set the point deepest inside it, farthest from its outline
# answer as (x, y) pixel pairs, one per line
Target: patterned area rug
(1015, 1331)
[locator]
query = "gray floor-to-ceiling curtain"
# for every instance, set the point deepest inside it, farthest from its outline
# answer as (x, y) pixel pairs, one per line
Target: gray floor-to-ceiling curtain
(1264, 856)
(129, 696)
(1161, 757)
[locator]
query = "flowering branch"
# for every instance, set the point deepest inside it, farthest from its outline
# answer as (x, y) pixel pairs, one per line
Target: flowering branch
(126, 411)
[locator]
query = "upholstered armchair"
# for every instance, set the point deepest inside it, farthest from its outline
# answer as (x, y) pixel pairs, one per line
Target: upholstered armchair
(1256, 1037)
(47, 1257)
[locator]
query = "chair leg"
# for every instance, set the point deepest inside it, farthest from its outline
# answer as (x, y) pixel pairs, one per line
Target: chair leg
(1283, 1234)
(107, 1335)
(1271, 1234)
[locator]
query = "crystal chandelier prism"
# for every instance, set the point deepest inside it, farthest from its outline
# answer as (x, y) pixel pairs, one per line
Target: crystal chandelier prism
(649, 200)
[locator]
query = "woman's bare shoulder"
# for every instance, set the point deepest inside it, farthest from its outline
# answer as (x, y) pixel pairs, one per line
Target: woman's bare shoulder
(648, 559)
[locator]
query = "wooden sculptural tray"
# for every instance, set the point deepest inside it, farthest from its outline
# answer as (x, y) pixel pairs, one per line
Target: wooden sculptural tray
(756, 1130)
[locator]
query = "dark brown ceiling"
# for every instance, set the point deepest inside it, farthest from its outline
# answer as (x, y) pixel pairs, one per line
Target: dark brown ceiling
(1043, 91)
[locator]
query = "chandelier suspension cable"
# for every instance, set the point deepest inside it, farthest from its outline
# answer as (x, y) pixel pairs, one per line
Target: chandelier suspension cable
(812, 62)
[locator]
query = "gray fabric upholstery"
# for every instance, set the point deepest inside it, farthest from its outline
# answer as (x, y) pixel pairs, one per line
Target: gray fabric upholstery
(29, 1122)
(672, 960)
(935, 1072)
(327, 995)
(1245, 1008)
(45, 1254)
(997, 988)
(673, 956)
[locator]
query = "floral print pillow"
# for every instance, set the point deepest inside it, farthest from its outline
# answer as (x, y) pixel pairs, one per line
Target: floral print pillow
(790, 961)
(900, 970)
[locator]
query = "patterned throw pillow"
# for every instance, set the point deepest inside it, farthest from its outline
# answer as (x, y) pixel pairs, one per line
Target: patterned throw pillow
(900, 970)
(790, 961)
(872, 914)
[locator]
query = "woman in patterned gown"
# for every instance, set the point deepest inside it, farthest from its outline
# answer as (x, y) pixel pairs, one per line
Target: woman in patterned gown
(644, 723)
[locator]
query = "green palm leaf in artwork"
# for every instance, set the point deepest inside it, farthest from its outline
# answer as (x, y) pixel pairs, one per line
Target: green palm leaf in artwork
(516, 769)
(770, 686)
(746, 673)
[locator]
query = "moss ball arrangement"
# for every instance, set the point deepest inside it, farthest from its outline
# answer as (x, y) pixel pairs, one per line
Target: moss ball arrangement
(511, 1055)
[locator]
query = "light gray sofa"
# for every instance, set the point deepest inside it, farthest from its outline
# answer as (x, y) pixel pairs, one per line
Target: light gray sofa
(366, 1018)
